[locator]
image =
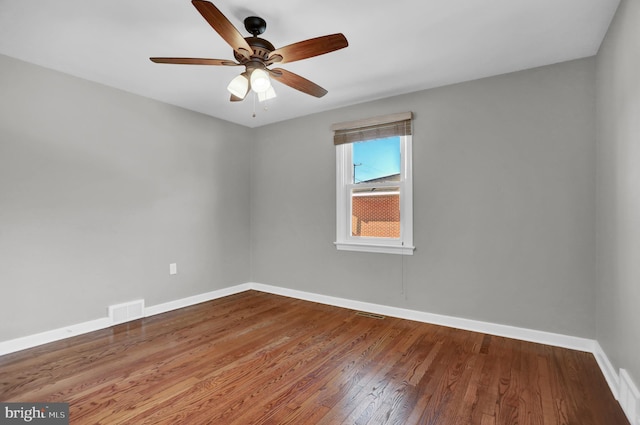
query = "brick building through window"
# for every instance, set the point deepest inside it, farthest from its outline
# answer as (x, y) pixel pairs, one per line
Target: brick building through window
(376, 212)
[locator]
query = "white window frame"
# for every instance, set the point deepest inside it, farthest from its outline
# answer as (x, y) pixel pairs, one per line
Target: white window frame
(344, 183)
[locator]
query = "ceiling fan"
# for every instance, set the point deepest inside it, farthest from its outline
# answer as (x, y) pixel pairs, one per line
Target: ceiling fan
(257, 54)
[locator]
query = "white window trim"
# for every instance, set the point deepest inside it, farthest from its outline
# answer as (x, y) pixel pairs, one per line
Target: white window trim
(344, 178)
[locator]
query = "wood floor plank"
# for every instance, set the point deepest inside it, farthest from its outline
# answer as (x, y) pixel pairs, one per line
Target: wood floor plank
(257, 358)
(353, 391)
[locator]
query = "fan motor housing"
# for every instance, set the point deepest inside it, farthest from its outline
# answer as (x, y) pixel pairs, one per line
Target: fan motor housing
(261, 49)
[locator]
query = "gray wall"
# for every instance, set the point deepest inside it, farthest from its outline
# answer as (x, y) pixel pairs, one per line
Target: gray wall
(100, 190)
(618, 182)
(504, 203)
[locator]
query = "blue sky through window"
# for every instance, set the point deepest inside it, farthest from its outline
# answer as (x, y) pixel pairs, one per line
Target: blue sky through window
(376, 158)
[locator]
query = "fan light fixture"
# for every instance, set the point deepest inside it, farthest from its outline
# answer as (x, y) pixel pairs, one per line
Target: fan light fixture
(270, 93)
(239, 86)
(260, 81)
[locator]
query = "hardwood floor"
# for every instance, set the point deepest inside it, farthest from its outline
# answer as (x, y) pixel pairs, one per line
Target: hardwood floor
(256, 358)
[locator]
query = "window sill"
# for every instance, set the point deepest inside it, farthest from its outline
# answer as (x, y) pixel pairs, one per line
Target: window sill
(377, 248)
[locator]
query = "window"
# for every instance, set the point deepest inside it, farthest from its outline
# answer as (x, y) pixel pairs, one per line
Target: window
(374, 185)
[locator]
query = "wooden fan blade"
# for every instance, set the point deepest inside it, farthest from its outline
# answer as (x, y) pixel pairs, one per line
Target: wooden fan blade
(195, 61)
(308, 48)
(223, 26)
(297, 82)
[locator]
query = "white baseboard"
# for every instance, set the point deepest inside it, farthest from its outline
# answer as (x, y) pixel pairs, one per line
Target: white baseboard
(607, 369)
(541, 337)
(196, 299)
(621, 384)
(629, 398)
(29, 341)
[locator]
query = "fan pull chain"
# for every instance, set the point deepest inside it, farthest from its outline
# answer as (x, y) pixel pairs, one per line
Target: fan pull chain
(254, 105)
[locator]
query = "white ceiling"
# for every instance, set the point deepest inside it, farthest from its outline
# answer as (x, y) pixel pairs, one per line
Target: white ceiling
(395, 47)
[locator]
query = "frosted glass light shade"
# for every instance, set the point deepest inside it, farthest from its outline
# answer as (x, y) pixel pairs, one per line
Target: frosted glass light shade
(260, 81)
(239, 86)
(270, 93)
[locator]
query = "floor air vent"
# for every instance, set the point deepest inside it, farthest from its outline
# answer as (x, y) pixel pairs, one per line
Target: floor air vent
(370, 315)
(126, 312)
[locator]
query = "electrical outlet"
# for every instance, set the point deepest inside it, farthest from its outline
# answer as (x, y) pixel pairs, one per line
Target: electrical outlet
(173, 268)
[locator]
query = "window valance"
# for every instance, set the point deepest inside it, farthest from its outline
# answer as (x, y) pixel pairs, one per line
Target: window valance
(372, 128)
